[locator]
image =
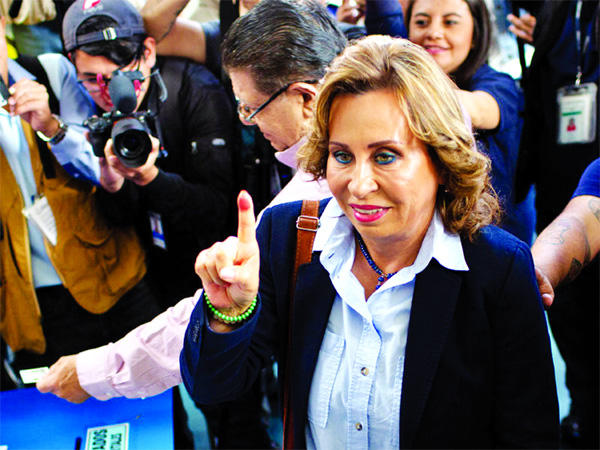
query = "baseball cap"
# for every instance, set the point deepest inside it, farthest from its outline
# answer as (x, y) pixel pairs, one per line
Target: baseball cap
(128, 18)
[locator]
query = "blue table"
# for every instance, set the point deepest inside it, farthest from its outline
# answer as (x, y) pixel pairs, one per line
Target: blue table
(31, 420)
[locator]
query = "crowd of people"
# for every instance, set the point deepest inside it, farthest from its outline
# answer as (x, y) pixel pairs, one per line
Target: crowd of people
(153, 170)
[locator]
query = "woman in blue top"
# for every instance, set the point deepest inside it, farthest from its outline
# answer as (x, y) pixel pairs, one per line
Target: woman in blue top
(457, 34)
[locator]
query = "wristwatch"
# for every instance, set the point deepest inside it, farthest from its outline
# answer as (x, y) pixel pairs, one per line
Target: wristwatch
(59, 135)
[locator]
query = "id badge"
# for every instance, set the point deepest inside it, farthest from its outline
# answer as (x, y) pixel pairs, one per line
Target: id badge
(577, 113)
(158, 235)
(41, 215)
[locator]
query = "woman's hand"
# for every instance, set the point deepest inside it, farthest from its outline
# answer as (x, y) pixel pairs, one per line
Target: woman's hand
(230, 269)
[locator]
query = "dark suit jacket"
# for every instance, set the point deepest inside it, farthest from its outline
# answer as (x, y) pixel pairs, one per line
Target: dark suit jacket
(478, 368)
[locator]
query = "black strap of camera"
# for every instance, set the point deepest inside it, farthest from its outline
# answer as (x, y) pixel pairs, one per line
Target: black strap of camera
(155, 104)
(34, 66)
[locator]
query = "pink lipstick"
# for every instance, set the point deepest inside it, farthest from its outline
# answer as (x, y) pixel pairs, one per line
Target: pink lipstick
(368, 213)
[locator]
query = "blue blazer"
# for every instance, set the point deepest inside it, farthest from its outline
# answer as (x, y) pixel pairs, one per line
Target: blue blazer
(478, 366)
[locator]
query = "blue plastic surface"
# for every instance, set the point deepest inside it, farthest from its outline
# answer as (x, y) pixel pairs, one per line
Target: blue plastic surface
(31, 420)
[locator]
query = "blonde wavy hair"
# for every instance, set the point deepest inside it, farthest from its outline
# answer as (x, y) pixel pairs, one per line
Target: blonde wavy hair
(426, 97)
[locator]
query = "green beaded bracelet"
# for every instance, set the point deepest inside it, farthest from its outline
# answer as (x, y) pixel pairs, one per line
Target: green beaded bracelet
(229, 320)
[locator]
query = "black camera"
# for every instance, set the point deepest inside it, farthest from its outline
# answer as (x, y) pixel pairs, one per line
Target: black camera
(128, 129)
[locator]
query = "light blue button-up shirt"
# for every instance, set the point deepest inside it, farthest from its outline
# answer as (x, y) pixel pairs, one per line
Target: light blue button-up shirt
(354, 400)
(73, 152)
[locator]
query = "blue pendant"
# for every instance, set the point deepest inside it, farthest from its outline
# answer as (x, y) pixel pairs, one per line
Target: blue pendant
(382, 276)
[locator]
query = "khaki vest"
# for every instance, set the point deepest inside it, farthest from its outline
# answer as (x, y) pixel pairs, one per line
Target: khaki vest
(96, 262)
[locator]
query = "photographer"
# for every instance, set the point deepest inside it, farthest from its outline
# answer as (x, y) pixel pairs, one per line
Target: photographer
(69, 280)
(179, 195)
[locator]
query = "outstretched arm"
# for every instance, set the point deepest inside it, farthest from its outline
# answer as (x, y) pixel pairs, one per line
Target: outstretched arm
(567, 245)
(482, 107)
(143, 363)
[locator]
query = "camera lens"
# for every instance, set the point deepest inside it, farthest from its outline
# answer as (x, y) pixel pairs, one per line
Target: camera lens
(131, 142)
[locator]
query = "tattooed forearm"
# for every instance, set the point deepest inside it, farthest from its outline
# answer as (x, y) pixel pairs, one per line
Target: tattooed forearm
(160, 16)
(594, 205)
(164, 35)
(554, 234)
(587, 257)
(574, 270)
(570, 242)
(172, 24)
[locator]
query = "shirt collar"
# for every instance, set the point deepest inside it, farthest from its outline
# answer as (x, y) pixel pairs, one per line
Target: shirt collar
(336, 233)
(16, 72)
(288, 156)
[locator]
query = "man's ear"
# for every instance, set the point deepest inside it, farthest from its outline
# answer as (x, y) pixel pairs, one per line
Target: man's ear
(150, 52)
(308, 92)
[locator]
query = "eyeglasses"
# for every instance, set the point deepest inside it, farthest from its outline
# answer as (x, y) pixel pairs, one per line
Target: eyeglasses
(99, 83)
(248, 113)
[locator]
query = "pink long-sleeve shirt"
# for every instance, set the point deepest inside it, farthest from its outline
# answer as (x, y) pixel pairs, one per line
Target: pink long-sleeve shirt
(143, 363)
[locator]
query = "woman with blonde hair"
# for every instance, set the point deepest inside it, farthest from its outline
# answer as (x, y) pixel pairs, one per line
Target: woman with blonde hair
(417, 324)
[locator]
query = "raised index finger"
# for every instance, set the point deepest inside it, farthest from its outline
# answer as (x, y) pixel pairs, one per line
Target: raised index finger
(246, 221)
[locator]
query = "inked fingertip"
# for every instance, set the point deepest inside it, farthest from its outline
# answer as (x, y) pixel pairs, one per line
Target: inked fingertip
(244, 201)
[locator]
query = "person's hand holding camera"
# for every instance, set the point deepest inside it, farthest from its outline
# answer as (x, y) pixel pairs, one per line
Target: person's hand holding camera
(29, 99)
(113, 172)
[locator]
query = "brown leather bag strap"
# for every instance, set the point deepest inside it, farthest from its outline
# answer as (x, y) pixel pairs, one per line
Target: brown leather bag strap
(307, 225)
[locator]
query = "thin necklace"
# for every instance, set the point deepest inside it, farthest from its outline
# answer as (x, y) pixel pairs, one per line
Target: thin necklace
(382, 276)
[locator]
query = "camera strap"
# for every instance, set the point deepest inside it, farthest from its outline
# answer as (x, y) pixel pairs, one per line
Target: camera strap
(155, 106)
(46, 158)
(170, 74)
(34, 66)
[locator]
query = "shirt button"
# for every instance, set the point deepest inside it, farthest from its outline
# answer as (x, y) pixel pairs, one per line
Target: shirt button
(364, 371)
(358, 426)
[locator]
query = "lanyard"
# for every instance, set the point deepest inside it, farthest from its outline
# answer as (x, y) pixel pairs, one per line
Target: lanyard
(580, 49)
